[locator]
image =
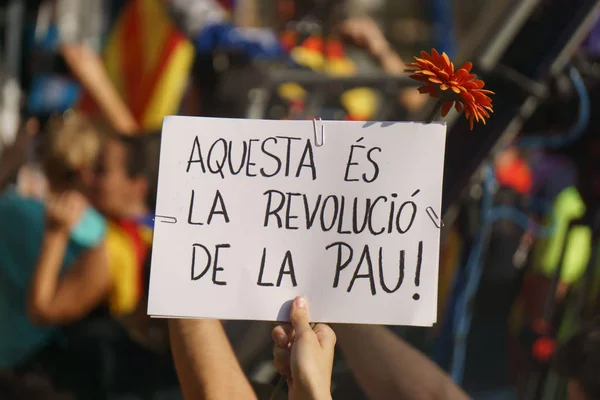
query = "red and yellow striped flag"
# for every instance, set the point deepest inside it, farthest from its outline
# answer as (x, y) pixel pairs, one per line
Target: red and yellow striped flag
(148, 61)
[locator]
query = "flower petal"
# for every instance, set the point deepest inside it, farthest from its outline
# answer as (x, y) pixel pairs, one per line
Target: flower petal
(424, 63)
(443, 75)
(448, 67)
(446, 108)
(467, 66)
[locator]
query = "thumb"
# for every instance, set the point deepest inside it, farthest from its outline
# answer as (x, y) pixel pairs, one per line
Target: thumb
(299, 316)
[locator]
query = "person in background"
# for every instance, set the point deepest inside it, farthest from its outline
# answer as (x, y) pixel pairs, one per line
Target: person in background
(125, 192)
(71, 150)
(121, 191)
(365, 33)
(109, 348)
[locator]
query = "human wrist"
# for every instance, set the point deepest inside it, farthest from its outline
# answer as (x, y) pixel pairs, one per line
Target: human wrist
(315, 393)
(322, 395)
(314, 388)
(57, 233)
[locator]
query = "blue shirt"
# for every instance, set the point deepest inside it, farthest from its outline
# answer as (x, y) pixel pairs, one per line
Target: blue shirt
(22, 223)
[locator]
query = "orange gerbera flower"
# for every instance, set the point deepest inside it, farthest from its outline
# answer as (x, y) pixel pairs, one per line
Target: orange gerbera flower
(460, 87)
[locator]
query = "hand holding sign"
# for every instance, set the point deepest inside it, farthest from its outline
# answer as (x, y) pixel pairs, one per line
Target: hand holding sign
(256, 214)
(304, 354)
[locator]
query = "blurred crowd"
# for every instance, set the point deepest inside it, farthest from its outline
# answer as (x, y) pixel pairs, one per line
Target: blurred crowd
(82, 106)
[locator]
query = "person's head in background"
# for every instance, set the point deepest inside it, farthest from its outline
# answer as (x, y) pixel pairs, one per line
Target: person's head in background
(71, 150)
(125, 185)
(578, 360)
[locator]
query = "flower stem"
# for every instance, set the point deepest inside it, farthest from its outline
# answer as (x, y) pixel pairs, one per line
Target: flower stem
(436, 111)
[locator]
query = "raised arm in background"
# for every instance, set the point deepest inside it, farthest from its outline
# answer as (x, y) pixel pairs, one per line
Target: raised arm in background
(87, 66)
(206, 364)
(56, 299)
(364, 32)
(387, 367)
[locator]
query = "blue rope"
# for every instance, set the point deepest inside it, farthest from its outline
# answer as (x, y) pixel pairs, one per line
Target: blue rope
(576, 131)
(473, 272)
(521, 219)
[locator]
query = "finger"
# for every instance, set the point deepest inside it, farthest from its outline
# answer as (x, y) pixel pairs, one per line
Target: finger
(281, 361)
(326, 337)
(299, 316)
(282, 335)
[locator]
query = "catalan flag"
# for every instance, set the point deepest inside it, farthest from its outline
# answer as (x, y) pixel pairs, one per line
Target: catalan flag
(148, 60)
(128, 244)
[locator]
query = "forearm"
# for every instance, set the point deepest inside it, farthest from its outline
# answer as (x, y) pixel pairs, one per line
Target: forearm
(46, 274)
(87, 66)
(206, 364)
(386, 367)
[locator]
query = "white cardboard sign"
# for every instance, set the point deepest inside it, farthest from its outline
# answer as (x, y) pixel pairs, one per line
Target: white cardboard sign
(251, 213)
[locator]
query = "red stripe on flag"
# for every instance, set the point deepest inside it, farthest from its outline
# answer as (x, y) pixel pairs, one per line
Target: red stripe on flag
(131, 55)
(174, 38)
(140, 250)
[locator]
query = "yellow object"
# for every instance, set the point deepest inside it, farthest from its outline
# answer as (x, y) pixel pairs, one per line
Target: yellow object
(125, 268)
(568, 206)
(577, 254)
(169, 89)
(360, 103)
(340, 67)
(291, 91)
(308, 58)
